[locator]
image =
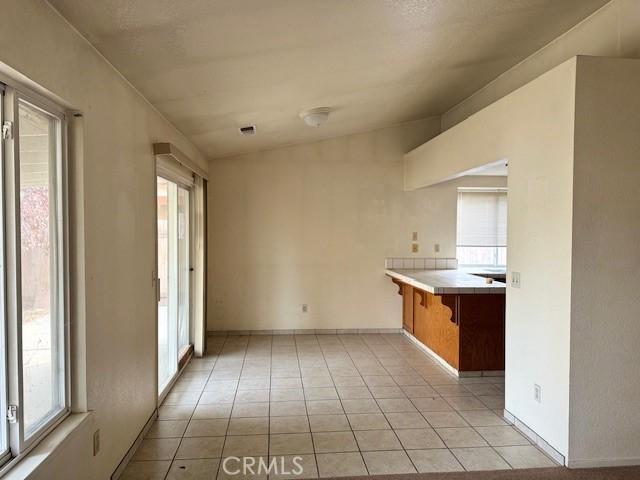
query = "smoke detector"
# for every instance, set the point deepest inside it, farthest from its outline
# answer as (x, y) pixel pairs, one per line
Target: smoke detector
(248, 130)
(315, 117)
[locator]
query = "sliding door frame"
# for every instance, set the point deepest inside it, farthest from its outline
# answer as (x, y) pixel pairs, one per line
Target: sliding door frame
(180, 171)
(179, 363)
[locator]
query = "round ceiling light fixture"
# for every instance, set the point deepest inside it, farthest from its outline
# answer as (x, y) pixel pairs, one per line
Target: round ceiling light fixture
(314, 117)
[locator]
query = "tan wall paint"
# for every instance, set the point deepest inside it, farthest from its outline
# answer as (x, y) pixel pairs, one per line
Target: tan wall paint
(612, 31)
(115, 194)
(533, 128)
(70, 461)
(539, 247)
(605, 321)
(571, 138)
(118, 208)
(313, 223)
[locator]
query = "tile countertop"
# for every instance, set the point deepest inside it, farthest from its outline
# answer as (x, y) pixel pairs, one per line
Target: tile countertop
(448, 281)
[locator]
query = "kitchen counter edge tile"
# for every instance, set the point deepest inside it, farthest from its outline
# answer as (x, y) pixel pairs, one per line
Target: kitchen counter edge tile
(439, 282)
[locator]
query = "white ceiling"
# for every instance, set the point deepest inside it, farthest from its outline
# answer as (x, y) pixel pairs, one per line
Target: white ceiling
(213, 66)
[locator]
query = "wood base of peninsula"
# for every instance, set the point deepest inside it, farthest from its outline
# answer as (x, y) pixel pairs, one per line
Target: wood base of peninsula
(465, 330)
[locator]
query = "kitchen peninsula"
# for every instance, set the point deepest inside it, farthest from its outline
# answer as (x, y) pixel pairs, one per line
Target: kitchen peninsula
(457, 315)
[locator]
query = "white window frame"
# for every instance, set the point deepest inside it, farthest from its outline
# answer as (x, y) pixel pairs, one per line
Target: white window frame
(495, 248)
(19, 442)
(5, 455)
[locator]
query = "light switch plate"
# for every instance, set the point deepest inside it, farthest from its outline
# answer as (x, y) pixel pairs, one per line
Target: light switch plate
(414, 236)
(414, 248)
(515, 279)
(436, 247)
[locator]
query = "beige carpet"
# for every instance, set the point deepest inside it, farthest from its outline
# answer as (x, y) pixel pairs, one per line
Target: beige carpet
(560, 473)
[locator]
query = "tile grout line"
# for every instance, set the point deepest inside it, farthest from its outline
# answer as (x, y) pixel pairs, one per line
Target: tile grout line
(324, 358)
(473, 395)
(355, 353)
(190, 417)
(348, 419)
(434, 429)
(422, 413)
(269, 406)
(393, 430)
(405, 393)
(224, 441)
(313, 445)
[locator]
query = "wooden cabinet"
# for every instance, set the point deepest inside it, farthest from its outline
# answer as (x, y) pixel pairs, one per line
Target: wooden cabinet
(407, 307)
(436, 326)
(481, 319)
(465, 330)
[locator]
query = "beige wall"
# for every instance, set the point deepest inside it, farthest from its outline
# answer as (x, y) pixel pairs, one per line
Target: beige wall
(113, 198)
(313, 223)
(533, 128)
(605, 319)
(70, 461)
(612, 31)
(571, 138)
(539, 248)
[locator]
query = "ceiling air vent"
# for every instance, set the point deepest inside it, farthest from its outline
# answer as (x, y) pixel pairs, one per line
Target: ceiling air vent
(248, 130)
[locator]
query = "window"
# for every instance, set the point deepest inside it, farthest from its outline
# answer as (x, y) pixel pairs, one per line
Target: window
(482, 227)
(34, 338)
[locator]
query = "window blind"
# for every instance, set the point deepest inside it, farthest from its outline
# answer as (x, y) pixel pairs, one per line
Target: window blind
(482, 218)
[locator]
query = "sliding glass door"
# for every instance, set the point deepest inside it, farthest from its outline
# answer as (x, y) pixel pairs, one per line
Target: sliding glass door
(183, 270)
(173, 277)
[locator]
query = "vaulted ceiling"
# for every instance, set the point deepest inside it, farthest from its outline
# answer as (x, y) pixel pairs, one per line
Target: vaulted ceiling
(212, 66)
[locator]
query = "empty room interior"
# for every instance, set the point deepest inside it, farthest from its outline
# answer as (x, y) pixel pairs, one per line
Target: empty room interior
(272, 239)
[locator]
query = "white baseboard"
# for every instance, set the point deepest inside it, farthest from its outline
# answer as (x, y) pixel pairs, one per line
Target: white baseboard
(535, 438)
(305, 331)
(143, 433)
(136, 444)
(431, 353)
(445, 364)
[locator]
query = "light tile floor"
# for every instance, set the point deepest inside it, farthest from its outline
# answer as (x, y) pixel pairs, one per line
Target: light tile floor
(344, 404)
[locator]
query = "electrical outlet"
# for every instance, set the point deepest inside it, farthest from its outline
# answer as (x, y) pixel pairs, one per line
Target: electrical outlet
(515, 279)
(537, 393)
(436, 247)
(414, 236)
(305, 308)
(414, 248)
(96, 442)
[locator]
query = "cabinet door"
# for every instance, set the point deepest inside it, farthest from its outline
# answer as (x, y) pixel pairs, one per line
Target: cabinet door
(407, 307)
